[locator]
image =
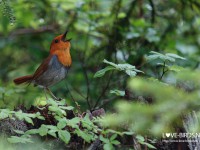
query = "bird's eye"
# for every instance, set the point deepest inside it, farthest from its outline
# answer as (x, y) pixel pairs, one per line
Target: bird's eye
(56, 41)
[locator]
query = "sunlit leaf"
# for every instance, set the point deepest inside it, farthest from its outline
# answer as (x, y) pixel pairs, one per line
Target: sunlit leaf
(102, 72)
(64, 136)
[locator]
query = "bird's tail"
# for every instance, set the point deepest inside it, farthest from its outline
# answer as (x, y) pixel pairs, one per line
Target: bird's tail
(23, 79)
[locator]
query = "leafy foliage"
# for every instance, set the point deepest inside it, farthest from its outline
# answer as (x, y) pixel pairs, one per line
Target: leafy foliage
(127, 68)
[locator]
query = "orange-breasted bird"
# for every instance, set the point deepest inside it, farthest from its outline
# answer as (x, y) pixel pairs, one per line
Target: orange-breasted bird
(54, 68)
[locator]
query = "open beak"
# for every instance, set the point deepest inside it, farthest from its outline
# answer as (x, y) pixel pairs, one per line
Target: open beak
(64, 36)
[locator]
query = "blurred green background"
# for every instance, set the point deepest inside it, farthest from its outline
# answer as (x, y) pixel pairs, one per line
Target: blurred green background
(117, 30)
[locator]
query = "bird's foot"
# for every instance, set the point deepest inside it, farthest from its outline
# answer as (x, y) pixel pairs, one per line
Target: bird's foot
(52, 95)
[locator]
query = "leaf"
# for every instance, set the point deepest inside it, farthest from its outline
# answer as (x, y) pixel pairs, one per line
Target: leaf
(131, 73)
(125, 67)
(128, 133)
(167, 57)
(175, 68)
(83, 134)
(52, 133)
(108, 146)
(110, 63)
(43, 130)
(105, 140)
(29, 120)
(51, 127)
(32, 131)
(67, 107)
(118, 92)
(41, 117)
(19, 131)
(112, 131)
(62, 123)
(150, 146)
(154, 52)
(115, 142)
(171, 59)
(62, 102)
(4, 113)
(87, 123)
(113, 137)
(53, 108)
(64, 136)
(16, 139)
(140, 138)
(38, 115)
(57, 110)
(73, 122)
(147, 144)
(102, 72)
(175, 56)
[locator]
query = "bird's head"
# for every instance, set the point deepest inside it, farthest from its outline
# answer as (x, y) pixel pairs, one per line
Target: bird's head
(60, 43)
(60, 46)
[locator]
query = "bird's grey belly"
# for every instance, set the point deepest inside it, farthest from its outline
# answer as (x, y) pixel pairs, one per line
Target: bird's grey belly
(51, 76)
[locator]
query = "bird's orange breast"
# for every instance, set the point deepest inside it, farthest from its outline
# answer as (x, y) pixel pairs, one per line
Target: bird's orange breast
(64, 57)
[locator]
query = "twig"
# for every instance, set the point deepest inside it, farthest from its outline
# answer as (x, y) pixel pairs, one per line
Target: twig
(78, 106)
(48, 28)
(106, 101)
(153, 12)
(163, 71)
(103, 91)
(77, 91)
(88, 84)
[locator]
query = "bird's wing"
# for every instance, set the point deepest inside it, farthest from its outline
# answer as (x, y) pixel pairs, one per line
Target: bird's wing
(44, 66)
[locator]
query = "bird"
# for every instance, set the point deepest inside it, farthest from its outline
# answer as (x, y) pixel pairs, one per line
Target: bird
(54, 68)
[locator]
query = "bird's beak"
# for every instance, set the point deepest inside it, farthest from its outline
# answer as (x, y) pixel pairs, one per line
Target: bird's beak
(64, 36)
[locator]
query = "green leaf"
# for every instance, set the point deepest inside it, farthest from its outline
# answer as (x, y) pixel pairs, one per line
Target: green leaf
(73, 122)
(57, 110)
(64, 136)
(19, 131)
(52, 133)
(41, 117)
(102, 72)
(113, 137)
(83, 134)
(105, 140)
(175, 56)
(140, 138)
(62, 123)
(32, 131)
(29, 120)
(67, 107)
(16, 139)
(150, 146)
(112, 131)
(131, 73)
(108, 146)
(43, 130)
(4, 113)
(110, 63)
(118, 92)
(51, 127)
(53, 108)
(147, 144)
(115, 142)
(38, 115)
(128, 133)
(175, 68)
(167, 57)
(125, 67)
(87, 123)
